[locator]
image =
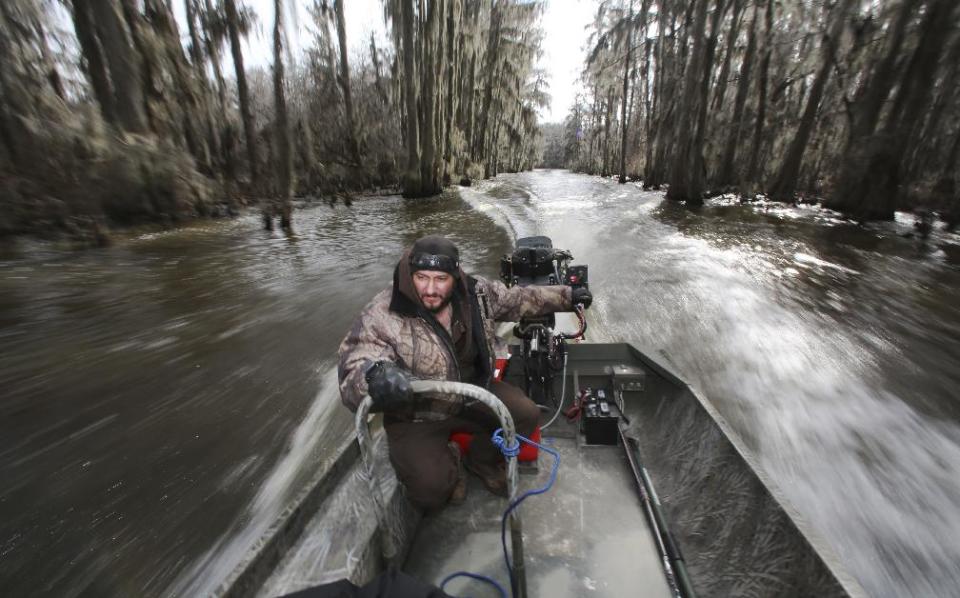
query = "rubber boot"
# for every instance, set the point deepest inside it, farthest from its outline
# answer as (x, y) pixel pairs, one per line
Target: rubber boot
(493, 476)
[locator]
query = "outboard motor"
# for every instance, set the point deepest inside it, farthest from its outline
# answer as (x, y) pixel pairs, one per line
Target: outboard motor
(536, 262)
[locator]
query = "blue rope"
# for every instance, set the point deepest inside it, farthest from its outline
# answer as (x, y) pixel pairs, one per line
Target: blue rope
(501, 443)
(508, 452)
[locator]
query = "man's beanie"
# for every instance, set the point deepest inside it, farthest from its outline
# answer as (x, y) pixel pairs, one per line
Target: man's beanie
(434, 252)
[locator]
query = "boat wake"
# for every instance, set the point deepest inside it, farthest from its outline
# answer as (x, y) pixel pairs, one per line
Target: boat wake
(830, 350)
(310, 440)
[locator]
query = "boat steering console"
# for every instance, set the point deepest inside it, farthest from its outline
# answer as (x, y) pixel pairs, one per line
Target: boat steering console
(536, 262)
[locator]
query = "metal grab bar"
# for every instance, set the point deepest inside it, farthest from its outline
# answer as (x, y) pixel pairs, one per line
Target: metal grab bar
(447, 390)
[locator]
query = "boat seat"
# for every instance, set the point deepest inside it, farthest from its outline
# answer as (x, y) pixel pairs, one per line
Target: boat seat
(528, 453)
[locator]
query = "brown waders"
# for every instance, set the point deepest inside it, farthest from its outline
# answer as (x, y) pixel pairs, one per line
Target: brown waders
(419, 453)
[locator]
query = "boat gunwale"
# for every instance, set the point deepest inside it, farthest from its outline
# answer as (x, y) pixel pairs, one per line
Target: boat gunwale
(262, 558)
(817, 542)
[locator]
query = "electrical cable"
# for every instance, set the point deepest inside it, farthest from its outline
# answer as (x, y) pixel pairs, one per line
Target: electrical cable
(511, 451)
(498, 440)
(563, 391)
(563, 386)
(476, 576)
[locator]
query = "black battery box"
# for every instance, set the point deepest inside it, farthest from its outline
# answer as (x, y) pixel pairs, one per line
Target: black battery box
(599, 417)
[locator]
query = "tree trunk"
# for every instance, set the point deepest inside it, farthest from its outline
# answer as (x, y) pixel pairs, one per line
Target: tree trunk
(190, 94)
(607, 117)
(377, 68)
(200, 75)
(214, 52)
(623, 107)
(786, 182)
(411, 183)
(875, 88)
(470, 118)
(196, 49)
(94, 62)
(686, 174)
(122, 60)
(953, 155)
(53, 75)
(700, 131)
(761, 97)
(924, 149)
(243, 92)
(452, 64)
(646, 92)
(344, 79)
(120, 44)
(651, 174)
(868, 185)
(490, 58)
(721, 89)
(283, 153)
(726, 175)
(915, 89)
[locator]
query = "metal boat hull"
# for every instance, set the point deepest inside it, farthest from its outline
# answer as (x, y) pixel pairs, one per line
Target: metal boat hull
(737, 535)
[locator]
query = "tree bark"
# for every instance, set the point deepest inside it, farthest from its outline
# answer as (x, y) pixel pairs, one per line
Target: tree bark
(786, 182)
(869, 181)
(865, 110)
(666, 88)
(721, 88)
(452, 65)
(411, 184)
(623, 108)
(53, 75)
(284, 153)
(916, 88)
(703, 101)
(925, 146)
(607, 117)
(122, 59)
(726, 176)
(490, 58)
(243, 92)
(753, 162)
(377, 68)
(686, 174)
(196, 48)
(651, 173)
(953, 156)
(645, 99)
(199, 67)
(344, 79)
(214, 52)
(191, 102)
(95, 63)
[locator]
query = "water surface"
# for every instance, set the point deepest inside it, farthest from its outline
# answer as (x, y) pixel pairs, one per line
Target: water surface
(164, 398)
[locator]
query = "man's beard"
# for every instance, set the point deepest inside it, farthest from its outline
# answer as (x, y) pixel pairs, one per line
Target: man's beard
(444, 303)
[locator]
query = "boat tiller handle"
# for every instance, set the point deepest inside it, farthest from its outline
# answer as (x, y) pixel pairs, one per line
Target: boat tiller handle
(450, 391)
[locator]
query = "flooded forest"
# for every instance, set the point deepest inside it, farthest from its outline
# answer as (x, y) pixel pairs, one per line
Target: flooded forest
(116, 112)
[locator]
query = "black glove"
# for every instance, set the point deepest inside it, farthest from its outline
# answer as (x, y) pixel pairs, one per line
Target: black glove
(582, 296)
(388, 384)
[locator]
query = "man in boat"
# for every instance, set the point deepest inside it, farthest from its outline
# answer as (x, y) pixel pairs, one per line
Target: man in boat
(438, 323)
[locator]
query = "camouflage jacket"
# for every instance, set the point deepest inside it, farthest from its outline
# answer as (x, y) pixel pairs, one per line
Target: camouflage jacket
(396, 327)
